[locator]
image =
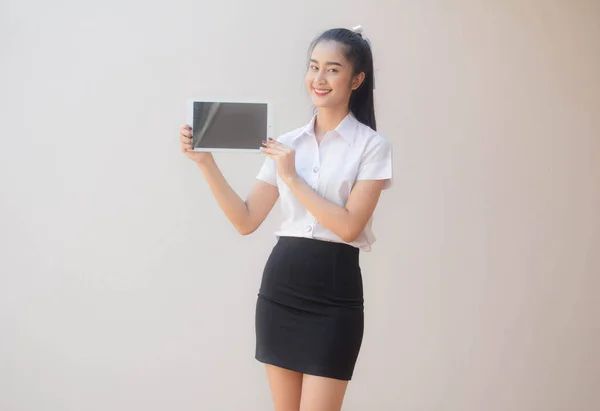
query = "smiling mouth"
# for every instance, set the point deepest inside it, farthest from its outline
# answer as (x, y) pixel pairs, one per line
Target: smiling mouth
(321, 92)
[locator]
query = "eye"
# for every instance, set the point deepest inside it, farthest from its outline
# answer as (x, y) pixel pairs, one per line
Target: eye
(314, 68)
(333, 70)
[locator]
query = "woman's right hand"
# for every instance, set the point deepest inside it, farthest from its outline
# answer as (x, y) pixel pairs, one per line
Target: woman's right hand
(185, 137)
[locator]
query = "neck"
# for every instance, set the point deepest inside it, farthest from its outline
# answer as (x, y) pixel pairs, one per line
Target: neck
(328, 119)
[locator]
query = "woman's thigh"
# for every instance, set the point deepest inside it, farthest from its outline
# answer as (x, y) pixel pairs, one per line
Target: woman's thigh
(322, 394)
(286, 388)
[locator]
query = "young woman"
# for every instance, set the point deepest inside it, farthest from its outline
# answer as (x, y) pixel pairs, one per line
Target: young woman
(328, 175)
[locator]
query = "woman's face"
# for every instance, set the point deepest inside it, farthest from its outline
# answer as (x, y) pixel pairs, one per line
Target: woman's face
(329, 76)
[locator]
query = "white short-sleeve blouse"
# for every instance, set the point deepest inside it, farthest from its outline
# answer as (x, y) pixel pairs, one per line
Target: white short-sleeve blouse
(351, 152)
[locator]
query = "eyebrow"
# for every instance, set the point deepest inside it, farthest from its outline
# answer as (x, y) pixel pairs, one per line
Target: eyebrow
(328, 63)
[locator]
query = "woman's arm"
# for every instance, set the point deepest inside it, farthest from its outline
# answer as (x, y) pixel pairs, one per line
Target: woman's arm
(246, 216)
(345, 222)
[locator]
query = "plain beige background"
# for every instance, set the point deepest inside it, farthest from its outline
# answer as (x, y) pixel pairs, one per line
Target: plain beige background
(123, 287)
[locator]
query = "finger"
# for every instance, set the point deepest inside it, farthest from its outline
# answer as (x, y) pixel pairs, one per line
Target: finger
(273, 144)
(184, 139)
(270, 151)
(278, 145)
(279, 150)
(268, 141)
(272, 141)
(271, 156)
(275, 150)
(185, 130)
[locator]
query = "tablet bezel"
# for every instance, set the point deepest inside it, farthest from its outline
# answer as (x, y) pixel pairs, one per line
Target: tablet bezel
(190, 122)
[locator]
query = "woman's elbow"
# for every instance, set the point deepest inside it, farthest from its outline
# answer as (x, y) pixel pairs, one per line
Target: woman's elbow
(245, 230)
(350, 235)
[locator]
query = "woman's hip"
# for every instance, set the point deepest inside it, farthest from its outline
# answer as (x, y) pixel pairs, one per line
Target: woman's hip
(309, 273)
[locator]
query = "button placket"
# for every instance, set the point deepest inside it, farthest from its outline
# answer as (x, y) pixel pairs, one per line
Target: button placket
(315, 171)
(317, 167)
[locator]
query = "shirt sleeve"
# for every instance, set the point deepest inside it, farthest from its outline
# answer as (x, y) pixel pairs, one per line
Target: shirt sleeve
(268, 172)
(376, 163)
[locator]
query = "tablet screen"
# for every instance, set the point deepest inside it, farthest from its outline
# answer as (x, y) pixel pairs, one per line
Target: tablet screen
(229, 125)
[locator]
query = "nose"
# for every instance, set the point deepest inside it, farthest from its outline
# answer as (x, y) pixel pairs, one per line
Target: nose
(319, 78)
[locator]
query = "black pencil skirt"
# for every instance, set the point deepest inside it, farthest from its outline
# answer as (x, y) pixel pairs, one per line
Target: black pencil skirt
(309, 312)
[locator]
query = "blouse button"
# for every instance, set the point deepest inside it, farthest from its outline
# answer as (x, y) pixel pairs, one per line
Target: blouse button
(308, 228)
(315, 169)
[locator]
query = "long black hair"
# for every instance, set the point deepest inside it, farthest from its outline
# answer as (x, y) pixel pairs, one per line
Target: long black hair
(358, 52)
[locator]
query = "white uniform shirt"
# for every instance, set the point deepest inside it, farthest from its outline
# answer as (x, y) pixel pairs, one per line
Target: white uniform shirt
(351, 152)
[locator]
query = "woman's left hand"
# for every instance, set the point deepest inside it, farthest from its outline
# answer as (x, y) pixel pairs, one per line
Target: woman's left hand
(284, 156)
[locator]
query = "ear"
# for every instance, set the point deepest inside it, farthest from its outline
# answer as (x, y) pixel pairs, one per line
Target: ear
(358, 80)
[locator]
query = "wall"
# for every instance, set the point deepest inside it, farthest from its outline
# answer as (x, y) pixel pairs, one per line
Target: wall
(123, 287)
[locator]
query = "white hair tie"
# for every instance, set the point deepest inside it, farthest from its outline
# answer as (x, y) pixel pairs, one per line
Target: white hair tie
(357, 29)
